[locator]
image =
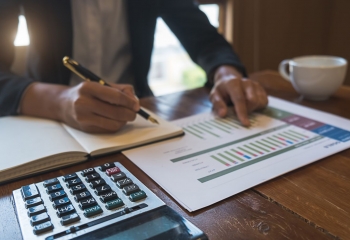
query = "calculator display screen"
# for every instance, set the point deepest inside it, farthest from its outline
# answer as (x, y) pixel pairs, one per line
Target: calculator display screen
(161, 223)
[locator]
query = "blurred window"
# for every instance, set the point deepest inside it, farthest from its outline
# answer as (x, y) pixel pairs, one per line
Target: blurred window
(172, 70)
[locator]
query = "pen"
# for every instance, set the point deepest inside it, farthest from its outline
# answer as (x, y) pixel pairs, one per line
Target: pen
(87, 75)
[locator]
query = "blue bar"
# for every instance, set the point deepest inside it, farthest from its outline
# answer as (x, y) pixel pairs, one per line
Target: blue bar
(333, 132)
(247, 157)
(290, 142)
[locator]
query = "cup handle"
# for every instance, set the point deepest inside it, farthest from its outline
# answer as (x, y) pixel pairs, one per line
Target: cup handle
(282, 69)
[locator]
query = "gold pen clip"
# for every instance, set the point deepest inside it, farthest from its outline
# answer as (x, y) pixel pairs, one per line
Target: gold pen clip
(70, 63)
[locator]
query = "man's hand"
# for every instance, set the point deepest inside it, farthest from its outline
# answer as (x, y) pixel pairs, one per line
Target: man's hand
(230, 87)
(89, 106)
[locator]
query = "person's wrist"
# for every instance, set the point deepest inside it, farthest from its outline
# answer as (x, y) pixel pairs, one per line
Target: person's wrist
(226, 71)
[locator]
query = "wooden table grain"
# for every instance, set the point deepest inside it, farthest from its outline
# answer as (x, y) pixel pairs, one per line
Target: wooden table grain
(312, 202)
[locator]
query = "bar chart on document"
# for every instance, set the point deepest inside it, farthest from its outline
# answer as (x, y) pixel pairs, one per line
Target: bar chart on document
(217, 153)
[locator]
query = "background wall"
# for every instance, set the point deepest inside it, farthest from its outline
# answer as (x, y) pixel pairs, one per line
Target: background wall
(264, 32)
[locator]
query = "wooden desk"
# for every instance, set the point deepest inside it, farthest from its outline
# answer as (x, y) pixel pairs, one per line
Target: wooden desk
(312, 202)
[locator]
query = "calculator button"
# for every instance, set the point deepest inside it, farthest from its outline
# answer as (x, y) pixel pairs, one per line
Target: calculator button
(37, 219)
(108, 196)
(61, 211)
(44, 227)
(88, 171)
(97, 183)
(82, 195)
(92, 211)
(124, 182)
(102, 189)
(87, 203)
(56, 195)
(114, 204)
(106, 166)
(70, 218)
(36, 210)
(50, 182)
(53, 188)
(118, 176)
(73, 182)
(69, 176)
(29, 191)
(33, 202)
(77, 189)
(112, 171)
(130, 189)
(93, 176)
(137, 196)
(60, 202)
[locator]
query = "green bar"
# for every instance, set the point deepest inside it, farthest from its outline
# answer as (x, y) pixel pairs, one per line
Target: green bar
(245, 164)
(253, 149)
(228, 123)
(227, 152)
(228, 159)
(218, 127)
(205, 130)
(278, 138)
(228, 144)
(246, 151)
(287, 137)
(194, 129)
(299, 134)
(262, 144)
(276, 113)
(206, 125)
(261, 148)
(271, 143)
(221, 124)
(137, 196)
(186, 129)
(219, 160)
(236, 121)
(274, 140)
(290, 134)
(92, 211)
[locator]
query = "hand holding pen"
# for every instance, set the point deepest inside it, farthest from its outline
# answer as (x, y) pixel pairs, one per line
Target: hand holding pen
(87, 75)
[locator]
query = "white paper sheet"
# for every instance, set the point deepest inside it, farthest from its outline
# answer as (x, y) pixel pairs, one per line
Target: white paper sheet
(218, 158)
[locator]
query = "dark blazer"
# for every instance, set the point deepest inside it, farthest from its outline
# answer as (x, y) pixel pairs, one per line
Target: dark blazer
(50, 29)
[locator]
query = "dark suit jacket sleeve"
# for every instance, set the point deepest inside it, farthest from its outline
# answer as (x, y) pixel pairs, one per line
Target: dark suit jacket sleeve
(201, 40)
(11, 86)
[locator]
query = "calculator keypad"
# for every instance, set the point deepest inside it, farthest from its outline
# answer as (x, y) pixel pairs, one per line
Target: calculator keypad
(58, 204)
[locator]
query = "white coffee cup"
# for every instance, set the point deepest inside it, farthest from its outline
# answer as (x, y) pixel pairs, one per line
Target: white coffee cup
(315, 77)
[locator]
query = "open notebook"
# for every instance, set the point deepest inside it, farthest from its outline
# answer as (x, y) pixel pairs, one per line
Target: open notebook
(31, 145)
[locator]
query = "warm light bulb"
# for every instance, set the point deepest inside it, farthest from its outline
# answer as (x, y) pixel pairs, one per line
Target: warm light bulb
(22, 38)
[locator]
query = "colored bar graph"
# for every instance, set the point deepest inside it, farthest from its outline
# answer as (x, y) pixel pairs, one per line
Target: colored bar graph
(189, 131)
(288, 137)
(234, 156)
(263, 144)
(221, 161)
(241, 154)
(228, 123)
(218, 127)
(253, 149)
(227, 158)
(282, 139)
(293, 135)
(298, 134)
(206, 130)
(259, 147)
(271, 143)
(278, 142)
(246, 151)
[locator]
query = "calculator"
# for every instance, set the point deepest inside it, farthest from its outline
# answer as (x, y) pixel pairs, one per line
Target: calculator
(104, 202)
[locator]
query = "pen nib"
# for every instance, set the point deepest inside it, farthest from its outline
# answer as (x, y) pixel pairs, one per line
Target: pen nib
(153, 120)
